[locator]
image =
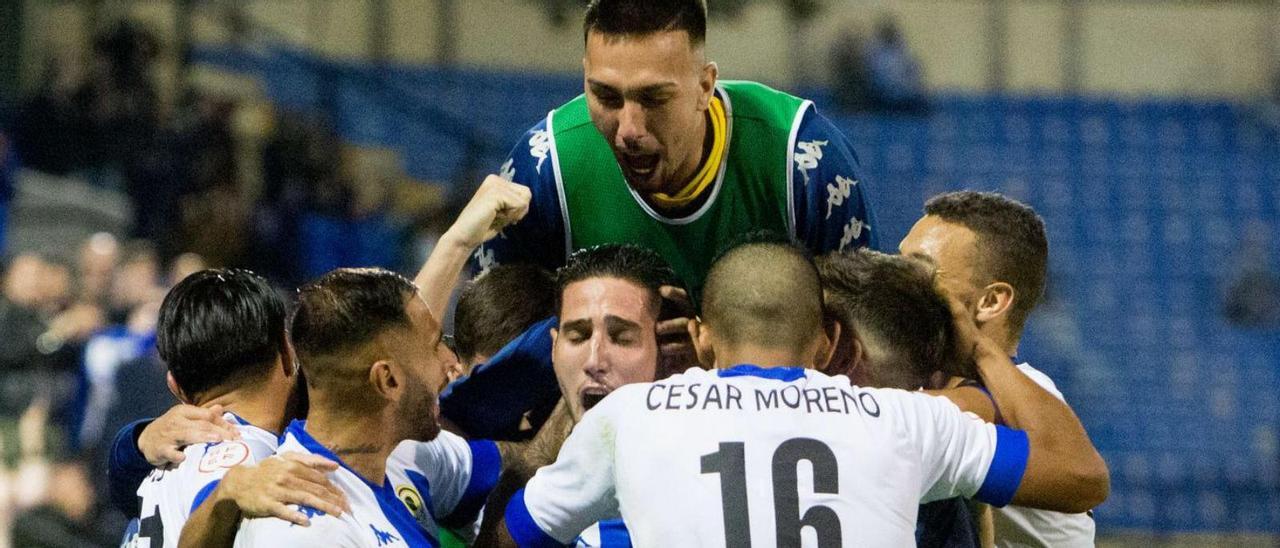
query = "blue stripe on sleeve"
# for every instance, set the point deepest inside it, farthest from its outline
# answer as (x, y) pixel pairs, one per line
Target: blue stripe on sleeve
(614, 534)
(523, 529)
(486, 466)
(1007, 467)
(203, 494)
(127, 468)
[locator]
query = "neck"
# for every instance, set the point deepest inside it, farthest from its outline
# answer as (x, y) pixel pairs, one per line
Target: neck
(760, 356)
(261, 408)
(362, 442)
(999, 333)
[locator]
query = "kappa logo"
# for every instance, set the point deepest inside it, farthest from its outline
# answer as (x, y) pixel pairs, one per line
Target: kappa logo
(540, 147)
(508, 170)
(384, 537)
(485, 259)
(412, 500)
(852, 232)
(838, 192)
(309, 512)
(223, 455)
(808, 155)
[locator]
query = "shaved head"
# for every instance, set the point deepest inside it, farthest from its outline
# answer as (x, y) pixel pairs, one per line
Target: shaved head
(766, 295)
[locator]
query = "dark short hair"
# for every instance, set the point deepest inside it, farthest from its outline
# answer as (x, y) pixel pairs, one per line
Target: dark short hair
(639, 265)
(499, 305)
(631, 18)
(342, 312)
(890, 299)
(764, 293)
(219, 327)
(1012, 246)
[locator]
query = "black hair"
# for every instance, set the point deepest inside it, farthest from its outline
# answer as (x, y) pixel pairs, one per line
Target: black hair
(345, 310)
(1012, 246)
(219, 327)
(498, 306)
(630, 18)
(638, 265)
(890, 302)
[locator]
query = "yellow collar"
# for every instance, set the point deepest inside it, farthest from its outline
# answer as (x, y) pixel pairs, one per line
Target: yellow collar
(710, 167)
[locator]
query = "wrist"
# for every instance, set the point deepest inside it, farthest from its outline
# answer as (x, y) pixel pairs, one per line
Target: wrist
(457, 242)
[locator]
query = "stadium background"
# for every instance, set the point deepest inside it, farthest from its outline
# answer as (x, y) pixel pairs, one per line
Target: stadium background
(293, 136)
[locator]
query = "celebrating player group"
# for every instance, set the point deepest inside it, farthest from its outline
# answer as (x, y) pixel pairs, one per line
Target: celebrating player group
(680, 336)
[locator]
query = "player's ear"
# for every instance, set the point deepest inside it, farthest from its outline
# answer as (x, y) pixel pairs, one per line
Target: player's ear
(288, 359)
(701, 338)
(176, 390)
(707, 82)
(996, 301)
(555, 334)
(382, 377)
(827, 352)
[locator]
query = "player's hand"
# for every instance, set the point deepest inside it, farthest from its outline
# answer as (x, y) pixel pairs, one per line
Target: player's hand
(161, 442)
(272, 487)
(675, 348)
(497, 204)
(971, 345)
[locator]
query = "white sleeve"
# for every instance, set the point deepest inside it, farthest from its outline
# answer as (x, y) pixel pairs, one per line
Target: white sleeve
(207, 463)
(325, 530)
(961, 455)
(461, 474)
(575, 491)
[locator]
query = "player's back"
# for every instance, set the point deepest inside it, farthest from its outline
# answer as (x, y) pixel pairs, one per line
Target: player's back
(779, 456)
(168, 497)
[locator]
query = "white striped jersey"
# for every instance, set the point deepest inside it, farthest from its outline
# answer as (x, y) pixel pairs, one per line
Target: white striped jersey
(764, 456)
(1018, 527)
(168, 497)
(443, 482)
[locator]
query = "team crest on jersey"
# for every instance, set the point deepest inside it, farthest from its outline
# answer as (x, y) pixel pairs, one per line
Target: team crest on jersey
(223, 455)
(412, 500)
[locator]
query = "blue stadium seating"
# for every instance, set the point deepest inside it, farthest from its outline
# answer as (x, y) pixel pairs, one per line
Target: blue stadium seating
(1145, 201)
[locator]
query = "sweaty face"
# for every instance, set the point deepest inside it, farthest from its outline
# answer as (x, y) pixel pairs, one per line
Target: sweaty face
(648, 96)
(950, 246)
(606, 339)
(426, 359)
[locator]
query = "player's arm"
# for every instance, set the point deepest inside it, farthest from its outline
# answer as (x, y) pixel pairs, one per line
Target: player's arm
(971, 398)
(832, 204)
(495, 205)
(566, 497)
(272, 487)
(460, 474)
(540, 451)
(148, 443)
(1064, 472)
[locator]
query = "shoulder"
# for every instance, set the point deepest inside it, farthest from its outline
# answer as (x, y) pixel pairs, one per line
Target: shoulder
(1041, 379)
(270, 532)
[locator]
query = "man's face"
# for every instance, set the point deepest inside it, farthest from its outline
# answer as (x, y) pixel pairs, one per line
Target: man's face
(952, 247)
(606, 339)
(648, 96)
(425, 359)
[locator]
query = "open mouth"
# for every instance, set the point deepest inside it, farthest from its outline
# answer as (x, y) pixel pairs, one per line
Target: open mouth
(640, 166)
(592, 396)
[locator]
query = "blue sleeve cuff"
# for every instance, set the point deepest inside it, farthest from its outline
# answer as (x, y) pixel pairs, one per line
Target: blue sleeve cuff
(203, 494)
(523, 529)
(127, 468)
(486, 466)
(1007, 467)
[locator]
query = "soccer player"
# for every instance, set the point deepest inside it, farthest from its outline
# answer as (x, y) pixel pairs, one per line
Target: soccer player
(660, 153)
(221, 334)
(605, 338)
(374, 359)
(714, 457)
(992, 254)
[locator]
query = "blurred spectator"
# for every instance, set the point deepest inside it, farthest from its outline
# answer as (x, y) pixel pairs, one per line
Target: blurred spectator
(8, 181)
(895, 80)
(185, 265)
(850, 83)
(1253, 292)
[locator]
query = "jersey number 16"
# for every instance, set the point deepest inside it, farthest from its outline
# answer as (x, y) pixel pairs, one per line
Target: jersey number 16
(730, 463)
